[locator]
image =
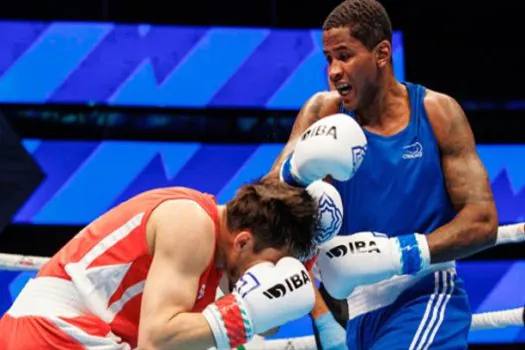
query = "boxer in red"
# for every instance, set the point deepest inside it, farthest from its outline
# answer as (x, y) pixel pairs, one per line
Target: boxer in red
(145, 273)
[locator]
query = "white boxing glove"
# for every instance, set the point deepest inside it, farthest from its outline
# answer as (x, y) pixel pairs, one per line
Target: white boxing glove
(346, 262)
(265, 297)
(334, 145)
(329, 212)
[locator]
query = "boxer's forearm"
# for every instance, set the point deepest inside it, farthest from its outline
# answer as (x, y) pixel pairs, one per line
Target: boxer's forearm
(184, 331)
(320, 307)
(474, 229)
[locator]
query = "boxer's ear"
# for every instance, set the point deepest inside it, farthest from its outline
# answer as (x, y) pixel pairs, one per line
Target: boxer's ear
(383, 52)
(243, 241)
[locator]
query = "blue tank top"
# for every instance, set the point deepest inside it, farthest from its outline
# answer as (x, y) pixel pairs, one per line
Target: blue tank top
(400, 187)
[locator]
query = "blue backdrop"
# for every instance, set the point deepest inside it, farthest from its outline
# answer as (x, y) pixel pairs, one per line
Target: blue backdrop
(85, 178)
(146, 65)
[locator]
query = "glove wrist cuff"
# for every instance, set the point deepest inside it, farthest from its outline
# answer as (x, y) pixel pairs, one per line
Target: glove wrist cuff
(287, 174)
(325, 320)
(414, 253)
(229, 322)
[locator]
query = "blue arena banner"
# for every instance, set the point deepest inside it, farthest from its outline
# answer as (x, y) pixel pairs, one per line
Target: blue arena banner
(86, 178)
(163, 66)
(500, 286)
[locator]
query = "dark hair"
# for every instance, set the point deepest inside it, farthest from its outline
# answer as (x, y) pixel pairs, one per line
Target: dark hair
(367, 19)
(278, 215)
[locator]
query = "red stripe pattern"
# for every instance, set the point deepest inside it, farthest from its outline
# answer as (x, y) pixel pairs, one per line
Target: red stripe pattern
(233, 320)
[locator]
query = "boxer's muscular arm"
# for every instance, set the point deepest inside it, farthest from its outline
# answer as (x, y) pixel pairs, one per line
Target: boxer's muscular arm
(475, 226)
(320, 105)
(182, 249)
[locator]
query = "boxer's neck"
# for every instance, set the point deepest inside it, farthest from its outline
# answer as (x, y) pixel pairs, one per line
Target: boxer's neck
(223, 237)
(384, 108)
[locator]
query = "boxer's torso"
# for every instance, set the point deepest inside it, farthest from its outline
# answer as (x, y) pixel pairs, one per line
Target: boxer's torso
(400, 186)
(399, 189)
(108, 261)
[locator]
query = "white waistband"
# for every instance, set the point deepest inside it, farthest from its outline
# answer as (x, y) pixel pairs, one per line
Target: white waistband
(48, 296)
(371, 297)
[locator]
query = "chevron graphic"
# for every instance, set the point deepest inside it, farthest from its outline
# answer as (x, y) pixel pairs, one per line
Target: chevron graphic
(86, 178)
(154, 65)
(20, 174)
(510, 203)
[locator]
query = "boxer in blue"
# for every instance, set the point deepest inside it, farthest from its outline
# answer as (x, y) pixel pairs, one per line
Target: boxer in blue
(421, 185)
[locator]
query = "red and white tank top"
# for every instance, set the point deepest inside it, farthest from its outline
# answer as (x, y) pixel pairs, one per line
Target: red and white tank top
(108, 261)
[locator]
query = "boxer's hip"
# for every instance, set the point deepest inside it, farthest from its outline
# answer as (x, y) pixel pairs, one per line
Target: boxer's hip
(48, 297)
(50, 314)
(430, 310)
(366, 299)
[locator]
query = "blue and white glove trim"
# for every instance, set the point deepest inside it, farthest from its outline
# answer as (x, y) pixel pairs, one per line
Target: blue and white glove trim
(414, 254)
(287, 175)
(331, 335)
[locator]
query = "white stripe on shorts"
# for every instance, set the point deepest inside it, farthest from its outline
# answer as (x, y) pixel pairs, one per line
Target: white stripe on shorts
(435, 310)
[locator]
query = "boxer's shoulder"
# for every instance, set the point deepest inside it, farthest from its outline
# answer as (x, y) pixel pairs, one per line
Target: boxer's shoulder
(329, 103)
(320, 105)
(443, 112)
(186, 223)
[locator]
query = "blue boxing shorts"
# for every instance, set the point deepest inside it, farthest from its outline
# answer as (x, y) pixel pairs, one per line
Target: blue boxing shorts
(433, 313)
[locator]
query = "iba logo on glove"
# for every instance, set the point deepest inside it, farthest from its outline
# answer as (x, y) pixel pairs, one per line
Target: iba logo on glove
(293, 283)
(320, 130)
(356, 247)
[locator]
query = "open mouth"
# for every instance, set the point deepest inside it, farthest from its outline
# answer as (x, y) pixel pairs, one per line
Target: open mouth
(344, 89)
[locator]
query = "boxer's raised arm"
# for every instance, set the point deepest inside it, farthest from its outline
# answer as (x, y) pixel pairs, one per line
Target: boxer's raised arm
(319, 105)
(182, 248)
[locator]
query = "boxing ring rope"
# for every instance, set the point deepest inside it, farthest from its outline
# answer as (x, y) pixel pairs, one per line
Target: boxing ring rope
(480, 321)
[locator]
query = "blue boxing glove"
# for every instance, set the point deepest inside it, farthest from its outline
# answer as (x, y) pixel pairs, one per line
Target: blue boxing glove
(363, 258)
(331, 335)
(333, 146)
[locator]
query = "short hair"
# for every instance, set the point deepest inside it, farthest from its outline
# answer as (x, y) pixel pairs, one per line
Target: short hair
(367, 19)
(278, 216)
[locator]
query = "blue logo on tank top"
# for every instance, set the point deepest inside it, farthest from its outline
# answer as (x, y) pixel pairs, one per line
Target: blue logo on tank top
(413, 150)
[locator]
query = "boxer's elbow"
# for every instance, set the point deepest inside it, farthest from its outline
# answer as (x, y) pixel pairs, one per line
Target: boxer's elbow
(149, 339)
(156, 342)
(484, 226)
(489, 227)
(157, 337)
(146, 344)
(184, 331)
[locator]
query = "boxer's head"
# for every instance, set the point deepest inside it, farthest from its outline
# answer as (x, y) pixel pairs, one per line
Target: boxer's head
(266, 221)
(357, 43)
